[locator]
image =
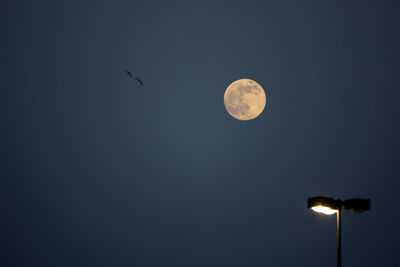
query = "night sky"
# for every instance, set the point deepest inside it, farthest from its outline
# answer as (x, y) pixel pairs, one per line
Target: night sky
(98, 171)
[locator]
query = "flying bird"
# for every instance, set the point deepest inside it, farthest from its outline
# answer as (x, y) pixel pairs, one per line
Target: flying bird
(134, 78)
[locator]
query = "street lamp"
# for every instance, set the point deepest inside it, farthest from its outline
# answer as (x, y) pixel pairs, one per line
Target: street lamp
(329, 206)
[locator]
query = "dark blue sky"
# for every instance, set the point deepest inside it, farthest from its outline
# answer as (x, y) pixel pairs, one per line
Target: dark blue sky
(96, 171)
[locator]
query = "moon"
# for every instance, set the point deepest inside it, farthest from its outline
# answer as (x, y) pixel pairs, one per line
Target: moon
(244, 99)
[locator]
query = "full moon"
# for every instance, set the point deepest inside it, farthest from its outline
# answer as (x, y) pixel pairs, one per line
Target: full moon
(244, 99)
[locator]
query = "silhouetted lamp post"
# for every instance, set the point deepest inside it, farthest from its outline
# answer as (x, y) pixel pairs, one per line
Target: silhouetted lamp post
(329, 206)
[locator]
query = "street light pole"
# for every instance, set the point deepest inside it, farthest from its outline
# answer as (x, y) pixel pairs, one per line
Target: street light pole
(339, 237)
(330, 206)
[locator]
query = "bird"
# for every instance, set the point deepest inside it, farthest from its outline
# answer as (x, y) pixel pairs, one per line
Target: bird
(134, 78)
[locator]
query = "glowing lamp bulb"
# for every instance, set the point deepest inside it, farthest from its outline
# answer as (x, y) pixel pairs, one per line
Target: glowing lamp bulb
(324, 210)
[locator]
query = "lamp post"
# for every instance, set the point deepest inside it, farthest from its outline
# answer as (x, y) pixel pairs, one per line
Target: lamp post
(329, 206)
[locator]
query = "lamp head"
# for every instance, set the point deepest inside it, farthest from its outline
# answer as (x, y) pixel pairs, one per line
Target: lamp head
(357, 205)
(325, 205)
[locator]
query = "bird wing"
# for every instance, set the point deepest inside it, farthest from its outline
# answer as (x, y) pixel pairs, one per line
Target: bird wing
(139, 80)
(129, 73)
